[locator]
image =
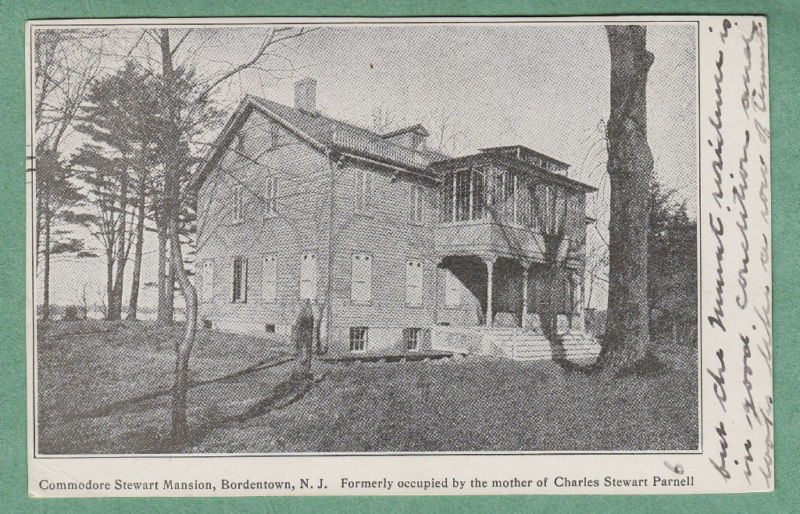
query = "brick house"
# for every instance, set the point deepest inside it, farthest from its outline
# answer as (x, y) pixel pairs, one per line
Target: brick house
(399, 248)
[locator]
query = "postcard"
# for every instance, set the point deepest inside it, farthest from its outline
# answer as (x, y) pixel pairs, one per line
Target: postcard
(399, 256)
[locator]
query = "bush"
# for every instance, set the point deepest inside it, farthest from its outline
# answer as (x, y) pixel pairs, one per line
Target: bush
(74, 313)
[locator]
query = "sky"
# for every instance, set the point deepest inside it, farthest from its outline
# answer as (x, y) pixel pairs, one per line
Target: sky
(545, 86)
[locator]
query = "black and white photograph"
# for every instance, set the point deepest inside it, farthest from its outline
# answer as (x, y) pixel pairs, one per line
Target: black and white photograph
(377, 238)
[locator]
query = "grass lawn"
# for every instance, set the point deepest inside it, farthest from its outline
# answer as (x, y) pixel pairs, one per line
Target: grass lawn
(99, 388)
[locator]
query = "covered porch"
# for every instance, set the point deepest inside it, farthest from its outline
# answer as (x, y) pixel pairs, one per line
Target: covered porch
(513, 292)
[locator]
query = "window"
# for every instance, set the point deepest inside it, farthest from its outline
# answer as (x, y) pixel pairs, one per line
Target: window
(361, 280)
(364, 200)
(414, 273)
(452, 292)
(358, 339)
(308, 276)
(416, 202)
(269, 279)
(271, 196)
(560, 210)
(413, 337)
(239, 280)
(238, 203)
(207, 283)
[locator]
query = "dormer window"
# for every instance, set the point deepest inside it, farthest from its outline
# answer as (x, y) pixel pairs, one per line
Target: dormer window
(410, 137)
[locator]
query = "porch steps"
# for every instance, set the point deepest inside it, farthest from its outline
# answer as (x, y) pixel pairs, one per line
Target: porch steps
(524, 345)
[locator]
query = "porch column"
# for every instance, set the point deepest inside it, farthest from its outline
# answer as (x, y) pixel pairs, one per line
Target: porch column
(489, 261)
(525, 267)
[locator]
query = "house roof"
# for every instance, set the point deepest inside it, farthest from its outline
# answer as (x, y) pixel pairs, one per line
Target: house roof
(510, 159)
(417, 129)
(325, 133)
(526, 154)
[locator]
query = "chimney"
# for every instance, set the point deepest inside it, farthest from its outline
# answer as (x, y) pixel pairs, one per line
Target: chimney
(305, 95)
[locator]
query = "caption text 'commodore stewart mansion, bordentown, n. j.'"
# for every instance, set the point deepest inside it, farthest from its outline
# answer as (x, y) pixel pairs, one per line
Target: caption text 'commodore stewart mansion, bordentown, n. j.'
(402, 251)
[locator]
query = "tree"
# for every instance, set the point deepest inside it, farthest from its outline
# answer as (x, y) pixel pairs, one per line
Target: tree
(630, 171)
(120, 117)
(55, 192)
(672, 269)
(187, 111)
(64, 67)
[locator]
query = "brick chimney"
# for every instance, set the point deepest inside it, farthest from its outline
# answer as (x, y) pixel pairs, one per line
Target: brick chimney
(305, 95)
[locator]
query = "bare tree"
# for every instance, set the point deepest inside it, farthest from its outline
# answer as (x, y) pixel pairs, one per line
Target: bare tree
(630, 170)
(65, 64)
(187, 108)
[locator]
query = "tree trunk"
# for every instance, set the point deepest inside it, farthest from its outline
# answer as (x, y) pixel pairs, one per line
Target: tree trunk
(137, 258)
(183, 348)
(166, 277)
(115, 301)
(630, 170)
(109, 280)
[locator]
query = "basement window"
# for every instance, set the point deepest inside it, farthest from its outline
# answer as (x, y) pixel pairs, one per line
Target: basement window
(358, 339)
(413, 337)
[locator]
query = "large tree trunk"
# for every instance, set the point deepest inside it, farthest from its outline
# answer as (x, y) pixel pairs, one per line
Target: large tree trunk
(630, 170)
(137, 258)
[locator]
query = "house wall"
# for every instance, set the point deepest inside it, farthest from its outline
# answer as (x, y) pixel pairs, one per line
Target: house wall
(388, 235)
(299, 226)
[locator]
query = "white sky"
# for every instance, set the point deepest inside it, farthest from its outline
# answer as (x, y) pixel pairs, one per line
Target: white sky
(544, 86)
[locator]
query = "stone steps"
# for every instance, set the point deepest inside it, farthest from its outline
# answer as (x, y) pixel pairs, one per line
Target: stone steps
(529, 346)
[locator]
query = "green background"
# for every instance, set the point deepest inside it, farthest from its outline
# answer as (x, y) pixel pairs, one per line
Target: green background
(784, 55)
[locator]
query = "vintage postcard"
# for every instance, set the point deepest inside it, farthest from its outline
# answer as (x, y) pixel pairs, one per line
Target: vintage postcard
(333, 256)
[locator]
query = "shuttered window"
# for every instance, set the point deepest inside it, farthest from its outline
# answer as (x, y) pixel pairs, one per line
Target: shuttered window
(415, 204)
(239, 280)
(361, 285)
(269, 282)
(452, 293)
(414, 275)
(308, 276)
(364, 185)
(271, 196)
(208, 281)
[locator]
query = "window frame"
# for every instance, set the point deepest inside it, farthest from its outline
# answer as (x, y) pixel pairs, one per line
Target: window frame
(356, 256)
(416, 205)
(239, 295)
(412, 334)
(415, 264)
(359, 336)
(364, 191)
(314, 280)
(274, 296)
(271, 195)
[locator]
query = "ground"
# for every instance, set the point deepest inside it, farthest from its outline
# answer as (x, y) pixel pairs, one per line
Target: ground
(103, 388)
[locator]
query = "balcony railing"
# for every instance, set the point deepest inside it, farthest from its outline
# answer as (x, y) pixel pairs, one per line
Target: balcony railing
(379, 150)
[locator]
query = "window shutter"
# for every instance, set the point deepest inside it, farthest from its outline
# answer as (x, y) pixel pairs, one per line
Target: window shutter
(269, 289)
(361, 282)
(208, 281)
(308, 276)
(414, 276)
(452, 294)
